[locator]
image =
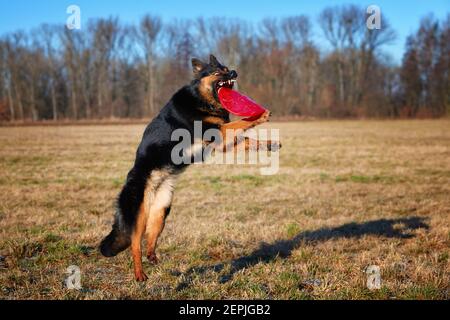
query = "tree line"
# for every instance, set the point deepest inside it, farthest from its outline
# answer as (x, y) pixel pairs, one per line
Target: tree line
(114, 70)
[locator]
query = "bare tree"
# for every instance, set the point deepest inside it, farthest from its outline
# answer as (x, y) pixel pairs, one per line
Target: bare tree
(330, 22)
(148, 35)
(5, 74)
(105, 34)
(70, 42)
(49, 36)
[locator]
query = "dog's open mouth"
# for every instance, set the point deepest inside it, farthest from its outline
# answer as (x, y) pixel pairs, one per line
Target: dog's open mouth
(225, 83)
(235, 102)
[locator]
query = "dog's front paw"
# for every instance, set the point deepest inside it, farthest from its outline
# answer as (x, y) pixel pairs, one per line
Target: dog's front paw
(263, 118)
(273, 145)
(140, 276)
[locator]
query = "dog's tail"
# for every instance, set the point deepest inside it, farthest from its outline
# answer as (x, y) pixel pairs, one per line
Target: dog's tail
(128, 205)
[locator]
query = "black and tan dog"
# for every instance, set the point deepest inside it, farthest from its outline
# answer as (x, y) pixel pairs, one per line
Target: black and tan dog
(145, 200)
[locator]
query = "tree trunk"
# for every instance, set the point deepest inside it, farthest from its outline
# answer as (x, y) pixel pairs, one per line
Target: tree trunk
(74, 103)
(11, 104)
(341, 82)
(52, 85)
(54, 106)
(151, 86)
(311, 81)
(88, 105)
(34, 113)
(19, 102)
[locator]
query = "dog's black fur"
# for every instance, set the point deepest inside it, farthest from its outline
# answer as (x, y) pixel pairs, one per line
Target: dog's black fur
(187, 105)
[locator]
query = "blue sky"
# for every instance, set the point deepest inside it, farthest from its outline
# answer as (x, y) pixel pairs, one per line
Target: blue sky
(26, 14)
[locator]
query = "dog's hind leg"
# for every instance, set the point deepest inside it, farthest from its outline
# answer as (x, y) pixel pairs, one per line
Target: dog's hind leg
(136, 239)
(155, 226)
(159, 210)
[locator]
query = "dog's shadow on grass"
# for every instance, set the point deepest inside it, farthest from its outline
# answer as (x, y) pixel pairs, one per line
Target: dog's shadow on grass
(267, 252)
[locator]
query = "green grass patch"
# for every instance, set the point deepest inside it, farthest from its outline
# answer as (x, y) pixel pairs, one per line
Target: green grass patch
(215, 183)
(366, 179)
(425, 292)
(292, 229)
(27, 161)
(433, 172)
(252, 180)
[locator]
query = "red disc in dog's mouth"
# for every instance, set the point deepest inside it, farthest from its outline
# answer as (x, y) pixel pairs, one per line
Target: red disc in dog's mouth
(239, 104)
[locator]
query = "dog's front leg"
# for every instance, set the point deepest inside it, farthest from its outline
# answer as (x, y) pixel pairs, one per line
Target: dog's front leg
(263, 145)
(232, 131)
(245, 124)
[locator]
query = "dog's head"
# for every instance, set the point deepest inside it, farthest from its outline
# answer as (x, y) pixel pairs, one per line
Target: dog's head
(210, 77)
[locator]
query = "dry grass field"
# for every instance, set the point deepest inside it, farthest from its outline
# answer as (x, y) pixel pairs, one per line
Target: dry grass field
(349, 194)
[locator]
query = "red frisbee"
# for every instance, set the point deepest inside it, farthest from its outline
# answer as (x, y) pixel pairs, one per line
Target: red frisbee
(239, 104)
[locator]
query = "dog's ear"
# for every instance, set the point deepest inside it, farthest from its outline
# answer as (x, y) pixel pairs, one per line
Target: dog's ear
(197, 66)
(213, 61)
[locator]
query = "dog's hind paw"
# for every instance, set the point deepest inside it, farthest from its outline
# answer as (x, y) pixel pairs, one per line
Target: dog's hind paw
(152, 258)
